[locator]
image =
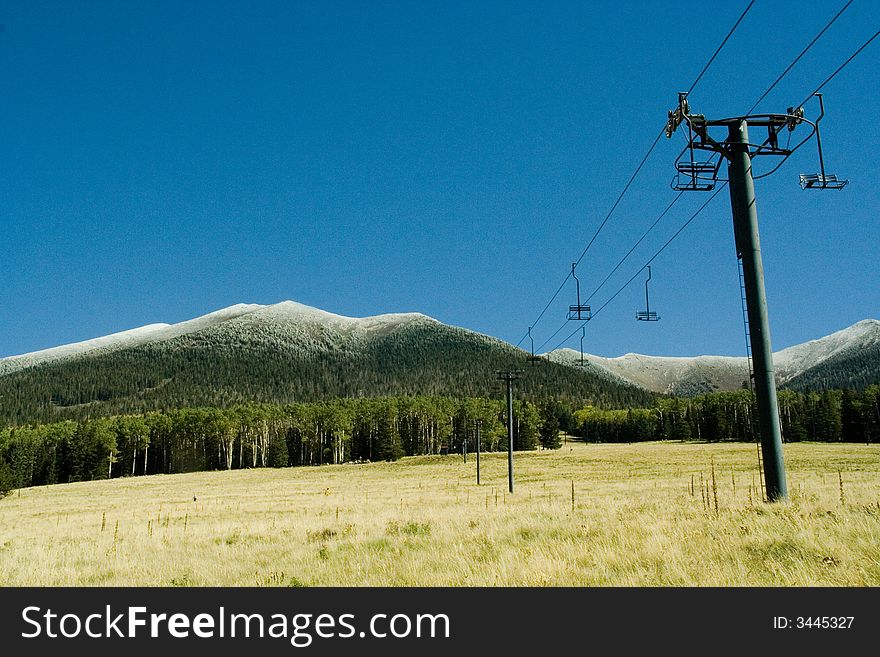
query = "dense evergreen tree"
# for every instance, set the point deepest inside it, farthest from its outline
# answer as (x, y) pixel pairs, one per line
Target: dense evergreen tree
(851, 416)
(278, 454)
(549, 429)
(7, 480)
(526, 422)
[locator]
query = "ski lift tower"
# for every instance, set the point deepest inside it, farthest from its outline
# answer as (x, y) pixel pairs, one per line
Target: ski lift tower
(741, 151)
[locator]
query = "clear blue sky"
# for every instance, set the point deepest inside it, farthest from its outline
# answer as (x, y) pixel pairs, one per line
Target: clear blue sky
(163, 160)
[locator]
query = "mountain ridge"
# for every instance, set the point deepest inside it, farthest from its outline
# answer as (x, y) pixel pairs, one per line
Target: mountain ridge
(281, 353)
(821, 363)
(288, 352)
(289, 310)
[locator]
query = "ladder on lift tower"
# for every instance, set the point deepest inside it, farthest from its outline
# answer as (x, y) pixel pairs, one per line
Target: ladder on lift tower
(751, 381)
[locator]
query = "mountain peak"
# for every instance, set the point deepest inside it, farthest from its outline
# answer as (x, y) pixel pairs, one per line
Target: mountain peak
(296, 310)
(285, 313)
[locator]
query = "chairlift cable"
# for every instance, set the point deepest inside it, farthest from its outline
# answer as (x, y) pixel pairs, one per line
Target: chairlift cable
(798, 58)
(718, 50)
(648, 262)
(840, 68)
(718, 190)
(635, 246)
(637, 170)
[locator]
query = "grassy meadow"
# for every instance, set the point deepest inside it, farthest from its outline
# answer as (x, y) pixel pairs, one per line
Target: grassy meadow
(643, 514)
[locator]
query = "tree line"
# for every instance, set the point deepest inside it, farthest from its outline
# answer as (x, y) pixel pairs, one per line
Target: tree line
(827, 416)
(265, 435)
(356, 430)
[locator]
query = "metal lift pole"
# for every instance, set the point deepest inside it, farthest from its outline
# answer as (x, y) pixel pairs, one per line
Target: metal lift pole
(745, 220)
(509, 378)
(477, 430)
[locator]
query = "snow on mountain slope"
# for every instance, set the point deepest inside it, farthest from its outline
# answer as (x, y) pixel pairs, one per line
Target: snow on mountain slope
(669, 374)
(297, 328)
(800, 357)
(698, 374)
(598, 364)
(297, 313)
(276, 322)
(129, 338)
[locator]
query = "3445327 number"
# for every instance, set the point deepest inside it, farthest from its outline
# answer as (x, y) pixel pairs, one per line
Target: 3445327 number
(824, 622)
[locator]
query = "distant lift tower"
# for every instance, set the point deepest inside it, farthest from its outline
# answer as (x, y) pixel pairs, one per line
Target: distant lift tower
(694, 175)
(509, 376)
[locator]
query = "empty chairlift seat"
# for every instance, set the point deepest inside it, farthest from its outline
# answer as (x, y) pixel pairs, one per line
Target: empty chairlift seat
(647, 315)
(579, 312)
(695, 176)
(818, 181)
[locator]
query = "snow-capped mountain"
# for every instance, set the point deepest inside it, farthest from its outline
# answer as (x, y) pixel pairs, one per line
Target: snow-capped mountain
(285, 320)
(285, 352)
(850, 357)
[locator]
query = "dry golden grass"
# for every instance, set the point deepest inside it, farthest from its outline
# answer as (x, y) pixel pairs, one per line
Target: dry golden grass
(423, 521)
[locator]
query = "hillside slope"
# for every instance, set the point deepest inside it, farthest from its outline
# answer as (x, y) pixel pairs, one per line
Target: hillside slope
(279, 353)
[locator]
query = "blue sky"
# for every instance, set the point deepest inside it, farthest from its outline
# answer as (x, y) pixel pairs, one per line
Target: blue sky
(163, 160)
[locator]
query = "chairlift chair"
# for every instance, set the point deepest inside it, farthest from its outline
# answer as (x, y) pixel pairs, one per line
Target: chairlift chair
(647, 315)
(532, 358)
(693, 176)
(579, 311)
(821, 180)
